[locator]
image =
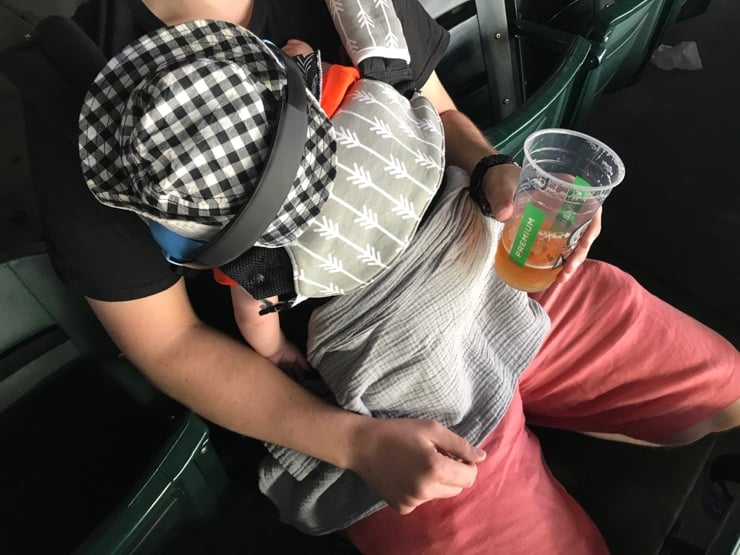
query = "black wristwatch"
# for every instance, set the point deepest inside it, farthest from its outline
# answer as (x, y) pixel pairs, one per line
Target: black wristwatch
(476, 179)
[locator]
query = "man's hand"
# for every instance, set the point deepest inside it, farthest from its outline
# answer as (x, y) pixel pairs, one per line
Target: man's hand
(465, 145)
(580, 253)
(499, 184)
(410, 462)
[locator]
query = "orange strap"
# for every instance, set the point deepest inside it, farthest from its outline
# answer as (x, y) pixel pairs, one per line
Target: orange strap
(222, 278)
(334, 87)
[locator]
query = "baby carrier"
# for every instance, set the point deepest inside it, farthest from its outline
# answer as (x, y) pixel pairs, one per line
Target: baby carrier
(65, 61)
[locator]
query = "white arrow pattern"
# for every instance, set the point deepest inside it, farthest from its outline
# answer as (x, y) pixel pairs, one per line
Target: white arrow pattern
(347, 138)
(368, 219)
(326, 262)
(369, 28)
(365, 217)
(365, 21)
(381, 128)
(405, 209)
(332, 265)
(392, 164)
(360, 177)
(389, 163)
(426, 125)
(328, 289)
(371, 257)
(329, 229)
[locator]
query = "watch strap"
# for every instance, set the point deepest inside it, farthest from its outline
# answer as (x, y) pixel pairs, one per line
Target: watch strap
(476, 179)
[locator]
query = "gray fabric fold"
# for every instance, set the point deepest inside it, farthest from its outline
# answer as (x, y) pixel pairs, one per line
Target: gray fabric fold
(437, 336)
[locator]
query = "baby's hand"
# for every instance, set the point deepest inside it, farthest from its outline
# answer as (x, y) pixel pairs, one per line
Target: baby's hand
(295, 47)
(290, 360)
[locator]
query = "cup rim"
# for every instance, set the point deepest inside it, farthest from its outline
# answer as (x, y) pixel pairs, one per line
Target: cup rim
(562, 131)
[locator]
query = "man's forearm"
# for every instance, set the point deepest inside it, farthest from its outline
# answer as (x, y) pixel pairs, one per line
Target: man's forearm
(465, 145)
(236, 388)
(223, 379)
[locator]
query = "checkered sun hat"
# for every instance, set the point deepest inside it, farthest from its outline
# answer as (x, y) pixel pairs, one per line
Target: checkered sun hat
(178, 128)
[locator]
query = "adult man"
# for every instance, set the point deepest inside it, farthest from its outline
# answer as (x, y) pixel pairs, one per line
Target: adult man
(111, 259)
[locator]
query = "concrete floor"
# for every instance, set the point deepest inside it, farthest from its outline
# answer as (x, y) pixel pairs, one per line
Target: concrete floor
(678, 133)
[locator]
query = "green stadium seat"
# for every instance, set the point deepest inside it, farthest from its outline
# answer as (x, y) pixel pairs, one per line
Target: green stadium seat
(548, 105)
(510, 76)
(91, 439)
(478, 68)
(621, 36)
(186, 484)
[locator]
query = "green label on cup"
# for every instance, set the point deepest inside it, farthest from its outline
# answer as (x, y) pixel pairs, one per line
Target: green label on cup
(572, 204)
(526, 235)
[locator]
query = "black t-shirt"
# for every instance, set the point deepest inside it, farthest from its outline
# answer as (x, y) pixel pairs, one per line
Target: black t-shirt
(107, 253)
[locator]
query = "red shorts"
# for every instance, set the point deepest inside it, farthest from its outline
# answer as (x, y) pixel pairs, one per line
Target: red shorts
(616, 359)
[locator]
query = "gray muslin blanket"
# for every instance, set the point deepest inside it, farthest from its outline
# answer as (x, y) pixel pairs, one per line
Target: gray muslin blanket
(437, 336)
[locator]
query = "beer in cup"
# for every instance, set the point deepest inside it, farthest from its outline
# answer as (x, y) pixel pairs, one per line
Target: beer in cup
(566, 175)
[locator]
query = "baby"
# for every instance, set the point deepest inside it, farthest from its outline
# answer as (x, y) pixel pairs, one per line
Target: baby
(195, 129)
(259, 328)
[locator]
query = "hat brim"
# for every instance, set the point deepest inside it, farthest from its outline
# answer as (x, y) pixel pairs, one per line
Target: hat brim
(105, 172)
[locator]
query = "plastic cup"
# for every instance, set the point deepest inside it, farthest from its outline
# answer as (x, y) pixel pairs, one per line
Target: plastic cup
(565, 177)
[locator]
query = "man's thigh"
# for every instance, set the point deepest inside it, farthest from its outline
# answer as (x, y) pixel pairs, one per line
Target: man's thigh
(515, 507)
(619, 360)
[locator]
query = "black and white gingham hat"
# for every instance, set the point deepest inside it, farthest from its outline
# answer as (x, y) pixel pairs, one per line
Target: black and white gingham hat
(178, 127)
